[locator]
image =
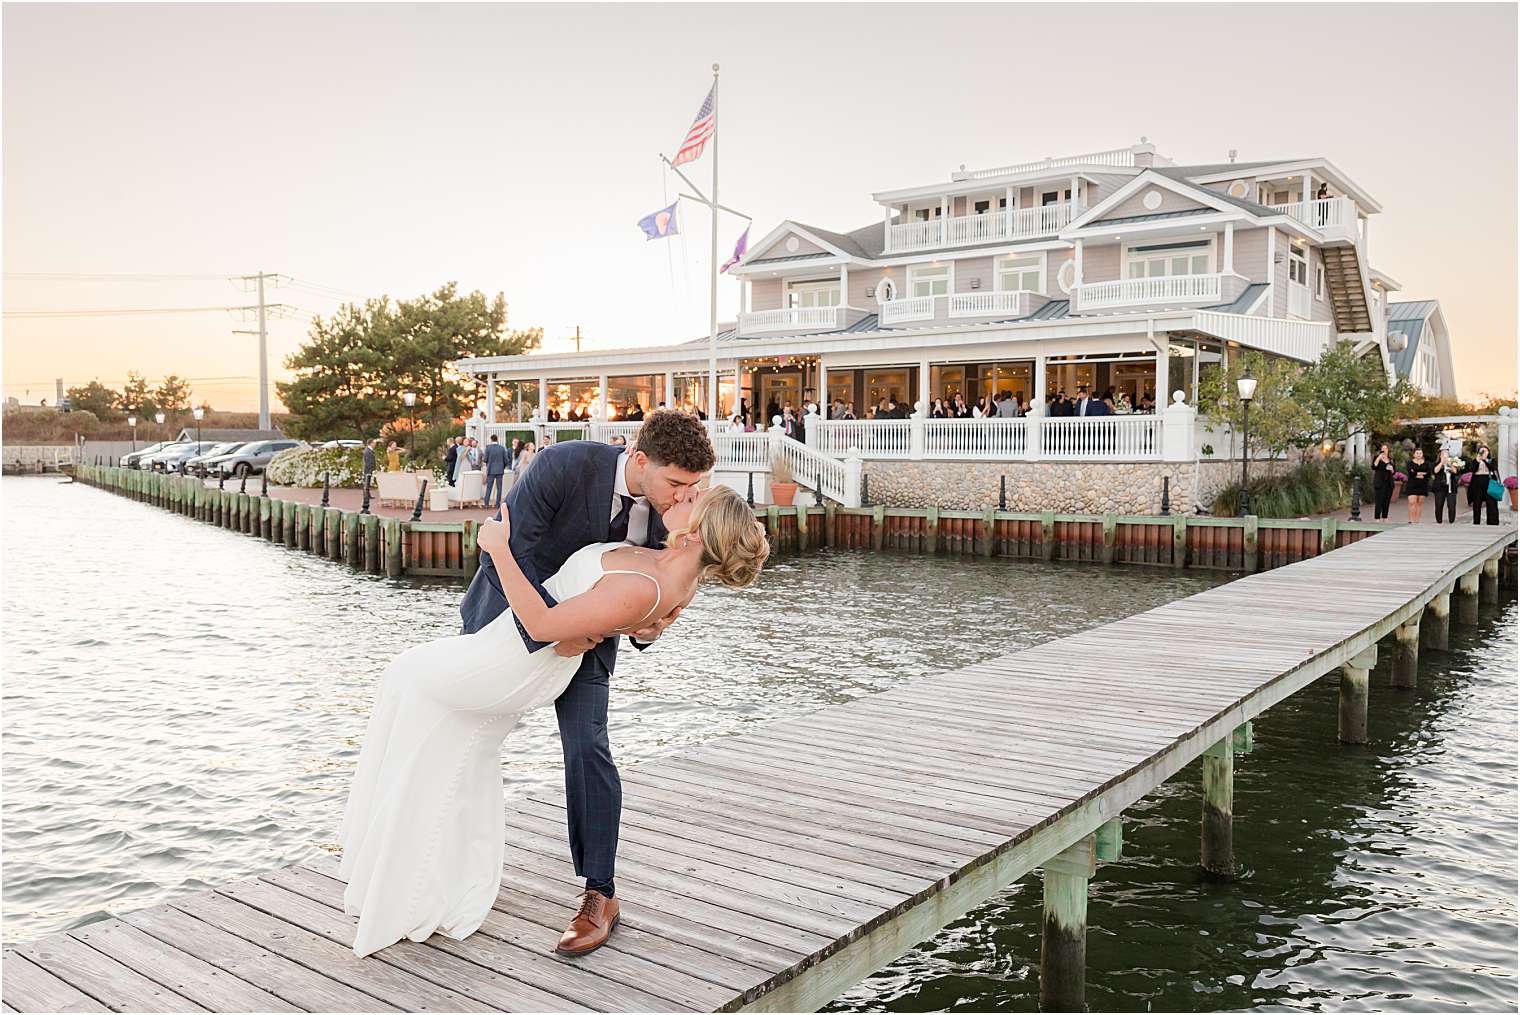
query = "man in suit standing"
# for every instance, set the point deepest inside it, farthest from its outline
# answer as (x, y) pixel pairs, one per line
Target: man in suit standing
(578, 493)
(369, 456)
(1089, 406)
(450, 456)
(496, 471)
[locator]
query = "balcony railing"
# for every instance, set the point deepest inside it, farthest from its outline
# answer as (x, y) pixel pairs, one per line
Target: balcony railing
(912, 308)
(789, 318)
(1165, 289)
(988, 227)
(1129, 438)
(987, 304)
(1327, 213)
(1113, 157)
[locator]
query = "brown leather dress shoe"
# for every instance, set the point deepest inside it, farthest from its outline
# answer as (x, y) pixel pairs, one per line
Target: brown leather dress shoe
(592, 924)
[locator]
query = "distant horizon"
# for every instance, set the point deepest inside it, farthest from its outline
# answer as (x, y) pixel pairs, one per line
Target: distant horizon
(513, 149)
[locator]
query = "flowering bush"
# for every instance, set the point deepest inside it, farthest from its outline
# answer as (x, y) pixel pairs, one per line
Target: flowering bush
(1510, 482)
(1466, 479)
(1399, 477)
(305, 466)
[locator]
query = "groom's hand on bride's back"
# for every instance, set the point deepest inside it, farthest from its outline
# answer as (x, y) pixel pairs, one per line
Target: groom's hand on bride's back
(575, 646)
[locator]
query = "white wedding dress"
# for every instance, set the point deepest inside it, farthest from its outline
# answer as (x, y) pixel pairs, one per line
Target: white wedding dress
(424, 828)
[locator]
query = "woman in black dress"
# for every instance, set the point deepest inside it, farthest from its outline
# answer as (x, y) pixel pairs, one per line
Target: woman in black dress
(1417, 487)
(1444, 482)
(1483, 470)
(1382, 482)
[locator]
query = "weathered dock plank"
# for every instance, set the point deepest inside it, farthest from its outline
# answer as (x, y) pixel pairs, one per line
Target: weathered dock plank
(769, 871)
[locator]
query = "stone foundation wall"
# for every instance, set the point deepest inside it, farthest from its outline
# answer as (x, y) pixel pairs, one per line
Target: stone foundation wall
(1132, 488)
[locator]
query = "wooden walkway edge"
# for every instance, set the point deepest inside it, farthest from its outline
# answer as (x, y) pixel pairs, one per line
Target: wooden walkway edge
(772, 870)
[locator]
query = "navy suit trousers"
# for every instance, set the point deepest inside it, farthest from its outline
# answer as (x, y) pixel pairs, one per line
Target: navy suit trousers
(593, 791)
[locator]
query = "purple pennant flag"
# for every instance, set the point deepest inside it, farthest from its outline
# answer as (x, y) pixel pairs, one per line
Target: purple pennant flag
(740, 249)
(660, 224)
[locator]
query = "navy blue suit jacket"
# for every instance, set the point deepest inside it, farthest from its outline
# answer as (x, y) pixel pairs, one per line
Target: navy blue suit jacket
(1095, 407)
(560, 504)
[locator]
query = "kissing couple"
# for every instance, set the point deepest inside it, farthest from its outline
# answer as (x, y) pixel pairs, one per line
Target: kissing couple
(595, 542)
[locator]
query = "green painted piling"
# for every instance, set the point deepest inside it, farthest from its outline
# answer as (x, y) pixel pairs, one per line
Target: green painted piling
(289, 524)
(1110, 532)
(371, 525)
(1180, 542)
(393, 548)
(1436, 626)
(1063, 941)
(1467, 598)
(989, 533)
(1406, 653)
(470, 549)
(802, 528)
(1047, 535)
(931, 530)
(1249, 543)
(878, 527)
(1488, 582)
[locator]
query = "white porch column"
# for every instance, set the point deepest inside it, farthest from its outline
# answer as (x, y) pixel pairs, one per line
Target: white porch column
(1177, 436)
(1271, 271)
(738, 386)
(1076, 186)
(601, 398)
(844, 291)
(1039, 378)
(491, 398)
(1010, 200)
(1308, 191)
(1163, 375)
(1077, 280)
(823, 388)
(923, 389)
(669, 396)
(886, 228)
(543, 399)
(744, 296)
(1229, 248)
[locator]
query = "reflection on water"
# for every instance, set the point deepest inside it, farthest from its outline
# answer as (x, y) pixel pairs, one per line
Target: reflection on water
(183, 706)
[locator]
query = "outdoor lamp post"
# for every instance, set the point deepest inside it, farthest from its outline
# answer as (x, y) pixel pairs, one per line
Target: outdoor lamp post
(199, 412)
(410, 398)
(1246, 388)
(132, 422)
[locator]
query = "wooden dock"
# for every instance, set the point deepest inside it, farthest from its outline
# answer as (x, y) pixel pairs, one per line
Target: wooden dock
(773, 870)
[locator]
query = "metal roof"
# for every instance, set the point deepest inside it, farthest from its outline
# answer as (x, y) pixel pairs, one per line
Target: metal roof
(790, 257)
(1411, 310)
(1153, 216)
(1408, 319)
(1242, 303)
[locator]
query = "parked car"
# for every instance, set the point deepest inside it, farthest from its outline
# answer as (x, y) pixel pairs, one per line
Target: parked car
(249, 459)
(343, 444)
(150, 462)
(196, 464)
(131, 458)
(174, 461)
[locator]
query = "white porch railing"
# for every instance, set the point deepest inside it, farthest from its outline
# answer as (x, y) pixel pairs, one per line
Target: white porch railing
(1112, 157)
(870, 438)
(754, 321)
(1141, 291)
(1130, 438)
(743, 452)
(988, 227)
(911, 308)
(1326, 213)
(839, 480)
(993, 439)
(983, 304)
(1302, 340)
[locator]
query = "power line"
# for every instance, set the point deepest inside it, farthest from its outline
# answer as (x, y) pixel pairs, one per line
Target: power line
(66, 276)
(138, 311)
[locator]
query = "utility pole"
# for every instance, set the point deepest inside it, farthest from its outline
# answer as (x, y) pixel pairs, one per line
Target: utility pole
(263, 333)
(577, 338)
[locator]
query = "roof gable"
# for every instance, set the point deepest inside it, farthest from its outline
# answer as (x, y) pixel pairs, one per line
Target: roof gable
(1172, 195)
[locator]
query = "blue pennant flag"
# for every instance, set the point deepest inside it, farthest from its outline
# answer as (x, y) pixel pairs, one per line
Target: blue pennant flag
(660, 224)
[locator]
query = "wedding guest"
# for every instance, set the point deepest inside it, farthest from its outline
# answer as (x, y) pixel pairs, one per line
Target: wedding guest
(450, 456)
(369, 456)
(1417, 486)
(525, 458)
(1445, 481)
(1382, 482)
(1484, 470)
(937, 410)
(393, 457)
(849, 411)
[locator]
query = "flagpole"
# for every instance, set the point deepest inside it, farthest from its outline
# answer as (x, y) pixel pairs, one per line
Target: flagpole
(712, 303)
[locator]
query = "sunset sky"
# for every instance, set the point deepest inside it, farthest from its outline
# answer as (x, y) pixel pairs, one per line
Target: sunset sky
(372, 150)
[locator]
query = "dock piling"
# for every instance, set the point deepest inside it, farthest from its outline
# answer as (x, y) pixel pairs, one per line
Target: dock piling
(1467, 598)
(1063, 940)
(1355, 675)
(1406, 653)
(1488, 582)
(393, 548)
(1217, 831)
(1437, 622)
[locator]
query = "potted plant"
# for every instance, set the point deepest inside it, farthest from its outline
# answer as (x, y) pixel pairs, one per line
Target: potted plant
(783, 489)
(1399, 479)
(1509, 486)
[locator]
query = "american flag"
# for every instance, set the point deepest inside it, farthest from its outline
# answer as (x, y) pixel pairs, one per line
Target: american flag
(701, 130)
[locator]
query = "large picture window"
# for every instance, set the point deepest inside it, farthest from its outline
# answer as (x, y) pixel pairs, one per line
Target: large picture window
(929, 280)
(1172, 259)
(1020, 272)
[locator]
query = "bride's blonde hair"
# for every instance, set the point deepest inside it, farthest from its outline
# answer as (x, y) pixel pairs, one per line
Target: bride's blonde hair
(734, 546)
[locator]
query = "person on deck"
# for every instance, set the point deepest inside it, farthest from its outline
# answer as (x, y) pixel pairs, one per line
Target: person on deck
(1382, 482)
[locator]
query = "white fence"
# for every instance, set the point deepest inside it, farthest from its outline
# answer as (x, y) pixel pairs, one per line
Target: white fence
(36, 458)
(991, 439)
(1128, 438)
(1302, 340)
(840, 481)
(1140, 291)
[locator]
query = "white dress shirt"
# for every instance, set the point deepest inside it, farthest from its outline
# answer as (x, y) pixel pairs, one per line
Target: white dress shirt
(638, 515)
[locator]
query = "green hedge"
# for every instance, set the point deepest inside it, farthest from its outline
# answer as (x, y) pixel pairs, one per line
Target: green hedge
(1312, 488)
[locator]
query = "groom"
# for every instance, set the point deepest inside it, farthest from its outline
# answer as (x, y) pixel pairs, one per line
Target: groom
(573, 494)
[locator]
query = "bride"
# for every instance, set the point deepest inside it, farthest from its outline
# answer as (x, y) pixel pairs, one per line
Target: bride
(424, 827)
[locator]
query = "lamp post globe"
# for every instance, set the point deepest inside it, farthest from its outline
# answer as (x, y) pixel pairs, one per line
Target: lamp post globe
(198, 412)
(410, 398)
(1245, 387)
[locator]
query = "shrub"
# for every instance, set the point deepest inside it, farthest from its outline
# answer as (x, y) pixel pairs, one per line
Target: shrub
(1312, 488)
(304, 467)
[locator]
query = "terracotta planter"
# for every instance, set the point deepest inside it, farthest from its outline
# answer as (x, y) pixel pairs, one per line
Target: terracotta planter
(783, 493)
(1514, 505)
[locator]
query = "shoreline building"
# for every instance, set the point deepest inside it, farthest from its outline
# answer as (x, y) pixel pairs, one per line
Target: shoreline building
(1110, 270)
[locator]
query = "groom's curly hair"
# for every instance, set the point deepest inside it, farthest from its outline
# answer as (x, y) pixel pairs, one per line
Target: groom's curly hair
(669, 437)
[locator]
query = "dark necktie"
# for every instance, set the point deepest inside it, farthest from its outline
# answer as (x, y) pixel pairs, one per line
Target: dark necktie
(618, 530)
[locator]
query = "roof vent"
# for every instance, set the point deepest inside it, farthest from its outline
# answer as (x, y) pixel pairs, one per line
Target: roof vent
(1233, 153)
